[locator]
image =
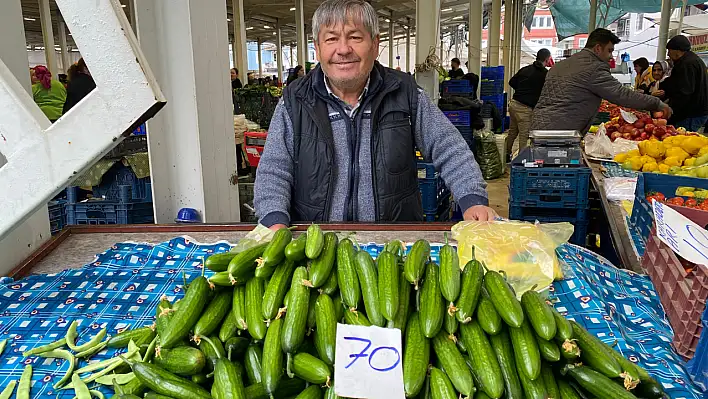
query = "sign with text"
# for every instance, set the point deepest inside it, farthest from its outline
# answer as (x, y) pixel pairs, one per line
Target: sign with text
(368, 362)
(687, 239)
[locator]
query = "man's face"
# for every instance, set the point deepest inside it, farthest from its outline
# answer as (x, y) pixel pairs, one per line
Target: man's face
(675, 54)
(346, 53)
(604, 52)
(455, 66)
(234, 75)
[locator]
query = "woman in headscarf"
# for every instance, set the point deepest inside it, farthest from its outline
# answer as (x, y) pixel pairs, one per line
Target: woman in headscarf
(660, 71)
(48, 93)
(296, 72)
(644, 77)
(80, 84)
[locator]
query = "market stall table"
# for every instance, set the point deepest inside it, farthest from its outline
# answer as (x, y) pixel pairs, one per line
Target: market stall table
(120, 288)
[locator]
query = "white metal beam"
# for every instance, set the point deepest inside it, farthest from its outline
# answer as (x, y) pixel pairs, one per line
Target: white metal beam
(259, 54)
(494, 32)
(666, 9)
(300, 27)
(45, 17)
(508, 33)
(427, 36)
(240, 48)
(65, 59)
(474, 49)
(408, 48)
(279, 51)
(391, 35)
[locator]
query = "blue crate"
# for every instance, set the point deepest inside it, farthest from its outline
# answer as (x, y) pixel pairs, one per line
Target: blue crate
(442, 213)
(109, 212)
(121, 175)
(57, 216)
(698, 366)
(433, 193)
(491, 87)
(499, 100)
(456, 86)
(493, 73)
(459, 118)
(468, 134)
(140, 130)
(549, 187)
(426, 170)
(579, 218)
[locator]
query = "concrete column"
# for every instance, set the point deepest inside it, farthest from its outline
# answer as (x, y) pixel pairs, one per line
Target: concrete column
(666, 8)
(260, 57)
(592, 19)
(682, 12)
(293, 62)
(474, 49)
(494, 32)
(300, 32)
(519, 35)
(508, 33)
(457, 41)
(442, 51)
(28, 236)
(240, 48)
(45, 17)
(427, 38)
(191, 140)
(65, 59)
(408, 48)
(391, 34)
(279, 51)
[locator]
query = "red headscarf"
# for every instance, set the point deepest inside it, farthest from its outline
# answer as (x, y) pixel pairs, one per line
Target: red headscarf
(43, 75)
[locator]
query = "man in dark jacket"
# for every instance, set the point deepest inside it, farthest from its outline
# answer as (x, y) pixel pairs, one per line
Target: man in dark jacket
(341, 144)
(527, 85)
(80, 84)
(456, 72)
(686, 90)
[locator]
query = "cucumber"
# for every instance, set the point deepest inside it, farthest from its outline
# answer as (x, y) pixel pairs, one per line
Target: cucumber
(182, 360)
(238, 307)
(329, 394)
(596, 383)
(311, 369)
(549, 350)
(311, 392)
(454, 364)
(252, 362)
(229, 328)
(295, 250)
(288, 388)
(526, 353)
(122, 339)
(566, 391)
(533, 389)
(484, 362)
(356, 318)
(219, 262)
(449, 272)
(321, 268)
(274, 252)
(388, 284)
(163, 315)
(440, 385)
(346, 274)
(414, 265)
(331, 285)
(368, 279)
(564, 330)
(432, 309)
(243, 266)
(315, 242)
(539, 314)
(416, 356)
(472, 277)
(272, 363)
(404, 300)
(501, 344)
(631, 372)
(228, 380)
(503, 298)
(254, 308)
(450, 323)
(649, 388)
(310, 325)
(549, 381)
(296, 316)
(188, 313)
(212, 352)
(223, 279)
(338, 308)
(166, 383)
(277, 288)
(569, 349)
(395, 247)
(326, 338)
(235, 346)
(487, 315)
(214, 313)
(594, 353)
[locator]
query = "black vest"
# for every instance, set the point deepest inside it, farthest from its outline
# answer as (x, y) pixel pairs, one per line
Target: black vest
(393, 99)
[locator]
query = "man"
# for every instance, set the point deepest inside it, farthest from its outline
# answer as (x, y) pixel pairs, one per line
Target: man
(686, 90)
(473, 79)
(456, 72)
(527, 85)
(235, 81)
(341, 144)
(575, 87)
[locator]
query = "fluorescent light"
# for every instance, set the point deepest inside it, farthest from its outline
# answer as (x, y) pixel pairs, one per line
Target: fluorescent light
(266, 27)
(29, 19)
(228, 19)
(293, 8)
(446, 9)
(69, 34)
(123, 5)
(405, 26)
(457, 17)
(249, 28)
(275, 33)
(388, 20)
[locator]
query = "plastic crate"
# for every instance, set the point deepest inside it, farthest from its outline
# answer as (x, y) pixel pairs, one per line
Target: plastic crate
(121, 175)
(426, 170)
(498, 100)
(109, 212)
(493, 73)
(491, 87)
(468, 134)
(698, 366)
(433, 193)
(442, 213)
(642, 219)
(682, 293)
(254, 145)
(131, 145)
(549, 187)
(456, 86)
(140, 130)
(577, 217)
(57, 216)
(458, 118)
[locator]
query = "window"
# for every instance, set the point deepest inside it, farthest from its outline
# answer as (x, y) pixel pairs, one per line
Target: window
(582, 42)
(640, 22)
(484, 43)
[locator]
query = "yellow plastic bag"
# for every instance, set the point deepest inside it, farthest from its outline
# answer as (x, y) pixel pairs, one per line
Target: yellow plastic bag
(526, 252)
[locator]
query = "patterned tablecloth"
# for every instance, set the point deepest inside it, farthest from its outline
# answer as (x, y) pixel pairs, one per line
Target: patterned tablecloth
(123, 285)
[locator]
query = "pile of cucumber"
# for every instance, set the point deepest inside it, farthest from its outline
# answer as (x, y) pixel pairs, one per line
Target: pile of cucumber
(264, 326)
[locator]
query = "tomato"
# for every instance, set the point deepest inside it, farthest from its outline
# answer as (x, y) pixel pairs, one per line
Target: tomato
(691, 203)
(660, 197)
(703, 206)
(675, 201)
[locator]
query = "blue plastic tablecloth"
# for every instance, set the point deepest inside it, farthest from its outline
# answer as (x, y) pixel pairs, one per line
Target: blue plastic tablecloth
(123, 285)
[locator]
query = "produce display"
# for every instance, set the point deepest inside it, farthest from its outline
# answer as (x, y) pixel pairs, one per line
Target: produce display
(644, 128)
(264, 325)
(676, 155)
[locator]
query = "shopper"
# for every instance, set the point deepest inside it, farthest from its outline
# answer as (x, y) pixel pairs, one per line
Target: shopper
(659, 72)
(235, 81)
(296, 72)
(80, 85)
(575, 87)
(48, 93)
(341, 144)
(527, 85)
(644, 76)
(686, 90)
(456, 72)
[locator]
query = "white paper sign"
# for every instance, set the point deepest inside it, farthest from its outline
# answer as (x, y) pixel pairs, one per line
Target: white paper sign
(687, 239)
(368, 362)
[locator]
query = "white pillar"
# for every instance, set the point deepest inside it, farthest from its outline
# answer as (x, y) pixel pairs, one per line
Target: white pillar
(292, 60)
(391, 34)
(300, 32)
(27, 237)
(191, 141)
(682, 12)
(279, 51)
(493, 33)
(408, 47)
(45, 17)
(519, 35)
(457, 41)
(508, 33)
(426, 39)
(592, 19)
(474, 49)
(65, 59)
(240, 48)
(260, 57)
(666, 8)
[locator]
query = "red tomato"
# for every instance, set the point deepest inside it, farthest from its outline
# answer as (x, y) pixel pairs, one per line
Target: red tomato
(691, 203)
(675, 201)
(703, 206)
(660, 196)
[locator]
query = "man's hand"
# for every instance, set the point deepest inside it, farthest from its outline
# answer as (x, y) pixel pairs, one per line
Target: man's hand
(480, 213)
(658, 93)
(667, 110)
(277, 227)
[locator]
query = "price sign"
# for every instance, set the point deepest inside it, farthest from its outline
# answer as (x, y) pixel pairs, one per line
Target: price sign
(687, 239)
(368, 362)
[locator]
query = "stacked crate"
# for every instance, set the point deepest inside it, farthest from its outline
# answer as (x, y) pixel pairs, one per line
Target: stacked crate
(492, 91)
(434, 193)
(463, 122)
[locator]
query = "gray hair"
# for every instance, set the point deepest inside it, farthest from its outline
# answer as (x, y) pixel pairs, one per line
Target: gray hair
(336, 12)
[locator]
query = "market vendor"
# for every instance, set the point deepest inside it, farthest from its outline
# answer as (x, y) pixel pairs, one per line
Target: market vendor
(575, 87)
(341, 144)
